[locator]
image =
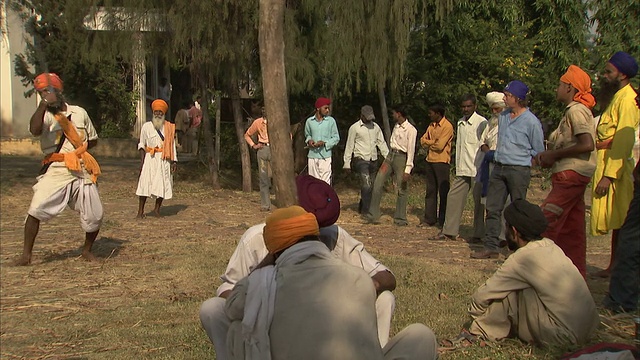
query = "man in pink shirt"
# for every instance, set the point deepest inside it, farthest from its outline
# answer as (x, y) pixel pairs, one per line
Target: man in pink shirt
(259, 127)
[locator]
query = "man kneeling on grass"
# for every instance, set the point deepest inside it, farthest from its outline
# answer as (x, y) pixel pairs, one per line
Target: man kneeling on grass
(537, 295)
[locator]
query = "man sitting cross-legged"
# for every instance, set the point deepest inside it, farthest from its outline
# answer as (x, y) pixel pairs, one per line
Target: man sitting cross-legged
(317, 197)
(537, 295)
(302, 303)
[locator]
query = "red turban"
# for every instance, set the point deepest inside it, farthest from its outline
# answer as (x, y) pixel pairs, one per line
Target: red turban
(322, 102)
(161, 105)
(45, 80)
(318, 198)
(582, 82)
(285, 227)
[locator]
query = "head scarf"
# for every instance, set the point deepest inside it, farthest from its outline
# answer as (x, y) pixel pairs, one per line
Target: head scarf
(161, 105)
(45, 80)
(582, 82)
(625, 63)
(496, 98)
(527, 218)
(322, 102)
(318, 198)
(518, 89)
(367, 112)
(285, 227)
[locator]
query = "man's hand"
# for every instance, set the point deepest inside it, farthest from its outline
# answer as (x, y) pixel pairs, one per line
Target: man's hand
(545, 159)
(484, 148)
(406, 177)
(257, 146)
(311, 143)
(319, 144)
(174, 166)
(603, 186)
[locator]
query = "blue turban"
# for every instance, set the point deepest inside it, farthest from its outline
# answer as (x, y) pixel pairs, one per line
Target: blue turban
(625, 63)
(518, 89)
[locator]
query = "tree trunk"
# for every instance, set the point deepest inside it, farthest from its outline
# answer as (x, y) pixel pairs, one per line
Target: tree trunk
(271, 42)
(206, 125)
(238, 120)
(385, 112)
(218, 117)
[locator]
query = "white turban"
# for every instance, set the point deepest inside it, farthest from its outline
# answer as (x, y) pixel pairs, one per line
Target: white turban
(496, 98)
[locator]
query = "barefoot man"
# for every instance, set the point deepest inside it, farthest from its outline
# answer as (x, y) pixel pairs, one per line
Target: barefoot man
(158, 159)
(69, 172)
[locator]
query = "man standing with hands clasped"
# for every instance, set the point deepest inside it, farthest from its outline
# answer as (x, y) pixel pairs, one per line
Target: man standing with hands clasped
(321, 135)
(364, 139)
(572, 161)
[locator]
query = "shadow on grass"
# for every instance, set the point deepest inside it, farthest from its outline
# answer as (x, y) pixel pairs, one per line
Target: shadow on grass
(103, 248)
(172, 210)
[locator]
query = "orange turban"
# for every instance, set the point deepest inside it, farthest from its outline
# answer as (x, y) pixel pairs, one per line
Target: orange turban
(45, 80)
(286, 226)
(161, 105)
(582, 82)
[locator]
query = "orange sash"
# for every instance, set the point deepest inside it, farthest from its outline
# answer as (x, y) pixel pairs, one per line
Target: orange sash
(72, 159)
(152, 151)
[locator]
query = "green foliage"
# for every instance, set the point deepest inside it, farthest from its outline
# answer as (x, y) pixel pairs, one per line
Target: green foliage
(482, 45)
(100, 85)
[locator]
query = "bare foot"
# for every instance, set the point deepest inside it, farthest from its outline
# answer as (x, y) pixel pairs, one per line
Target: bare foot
(22, 261)
(88, 256)
(156, 213)
(141, 216)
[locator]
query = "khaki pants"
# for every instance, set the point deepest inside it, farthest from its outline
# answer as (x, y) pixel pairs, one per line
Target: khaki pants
(456, 201)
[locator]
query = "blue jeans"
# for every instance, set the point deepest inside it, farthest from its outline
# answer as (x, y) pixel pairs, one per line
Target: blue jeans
(624, 286)
(367, 172)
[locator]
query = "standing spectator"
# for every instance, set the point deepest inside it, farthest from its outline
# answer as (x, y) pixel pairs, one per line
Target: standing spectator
(489, 143)
(69, 173)
(437, 140)
(195, 119)
(183, 123)
(572, 161)
(400, 163)
(364, 139)
(519, 140)
(468, 159)
(321, 135)
(624, 287)
(612, 180)
(158, 159)
(259, 127)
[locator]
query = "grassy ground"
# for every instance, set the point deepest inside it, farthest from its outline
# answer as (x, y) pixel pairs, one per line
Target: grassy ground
(142, 301)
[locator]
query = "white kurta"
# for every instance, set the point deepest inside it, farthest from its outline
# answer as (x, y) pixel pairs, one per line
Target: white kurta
(156, 179)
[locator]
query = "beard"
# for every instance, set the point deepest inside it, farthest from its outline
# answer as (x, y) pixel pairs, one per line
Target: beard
(158, 122)
(607, 90)
(493, 121)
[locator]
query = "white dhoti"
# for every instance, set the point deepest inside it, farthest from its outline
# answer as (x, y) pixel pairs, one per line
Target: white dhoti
(320, 169)
(156, 179)
(60, 187)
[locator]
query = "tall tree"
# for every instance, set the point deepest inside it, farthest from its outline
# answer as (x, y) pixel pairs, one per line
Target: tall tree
(271, 41)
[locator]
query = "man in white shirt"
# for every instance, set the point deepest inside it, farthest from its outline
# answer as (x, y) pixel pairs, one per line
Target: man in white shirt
(468, 160)
(400, 163)
(364, 139)
(319, 198)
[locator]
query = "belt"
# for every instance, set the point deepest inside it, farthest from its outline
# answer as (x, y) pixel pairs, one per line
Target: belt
(264, 143)
(501, 164)
(398, 151)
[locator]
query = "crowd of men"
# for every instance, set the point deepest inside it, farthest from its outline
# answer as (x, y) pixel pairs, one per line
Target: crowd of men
(299, 286)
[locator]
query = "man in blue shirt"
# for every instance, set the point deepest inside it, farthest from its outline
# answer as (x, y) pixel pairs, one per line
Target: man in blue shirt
(321, 135)
(520, 138)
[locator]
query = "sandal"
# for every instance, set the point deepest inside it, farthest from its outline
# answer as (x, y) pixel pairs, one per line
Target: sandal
(442, 236)
(463, 340)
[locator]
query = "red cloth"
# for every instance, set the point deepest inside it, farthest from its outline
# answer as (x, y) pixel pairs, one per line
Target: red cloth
(564, 209)
(322, 102)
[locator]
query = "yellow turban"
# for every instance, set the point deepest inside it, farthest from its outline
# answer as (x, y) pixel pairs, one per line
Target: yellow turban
(161, 105)
(286, 226)
(582, 82)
